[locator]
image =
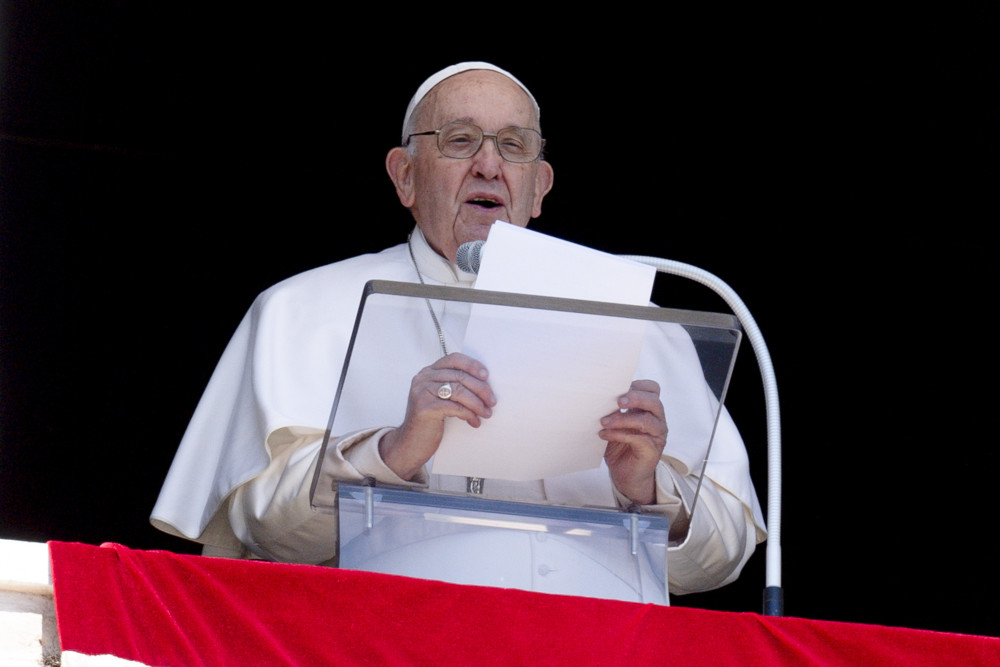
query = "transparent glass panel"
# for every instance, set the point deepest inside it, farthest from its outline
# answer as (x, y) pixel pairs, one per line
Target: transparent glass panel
(690, 354)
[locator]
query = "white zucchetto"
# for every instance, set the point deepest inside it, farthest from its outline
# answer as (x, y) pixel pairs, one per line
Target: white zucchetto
(451, 71)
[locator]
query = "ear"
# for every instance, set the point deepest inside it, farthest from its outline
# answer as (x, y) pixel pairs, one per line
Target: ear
(400, 169)
(543, 183)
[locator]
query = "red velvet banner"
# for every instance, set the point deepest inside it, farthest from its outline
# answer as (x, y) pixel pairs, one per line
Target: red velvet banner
(160, 608)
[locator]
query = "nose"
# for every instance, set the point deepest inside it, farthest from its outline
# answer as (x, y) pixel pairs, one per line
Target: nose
(487, 162)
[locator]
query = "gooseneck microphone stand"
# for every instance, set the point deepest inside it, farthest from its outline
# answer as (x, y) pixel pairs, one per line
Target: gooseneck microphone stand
(773, 594)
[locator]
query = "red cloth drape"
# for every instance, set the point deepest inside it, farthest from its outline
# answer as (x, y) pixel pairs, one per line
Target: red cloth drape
(160, 608)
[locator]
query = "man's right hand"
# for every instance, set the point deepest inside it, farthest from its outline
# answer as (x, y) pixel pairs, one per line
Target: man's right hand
(406, 449)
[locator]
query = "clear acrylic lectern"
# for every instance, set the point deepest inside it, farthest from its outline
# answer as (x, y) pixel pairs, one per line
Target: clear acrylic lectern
(538, 535)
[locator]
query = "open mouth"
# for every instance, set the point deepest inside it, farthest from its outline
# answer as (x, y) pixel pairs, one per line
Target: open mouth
(484, 202)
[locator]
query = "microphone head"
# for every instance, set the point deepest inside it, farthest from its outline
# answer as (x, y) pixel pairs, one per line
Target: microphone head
(469, 256)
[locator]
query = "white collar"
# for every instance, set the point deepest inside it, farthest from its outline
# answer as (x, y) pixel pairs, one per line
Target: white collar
(435, 267)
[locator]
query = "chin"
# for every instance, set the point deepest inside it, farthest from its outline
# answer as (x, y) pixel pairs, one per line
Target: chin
(476, 233)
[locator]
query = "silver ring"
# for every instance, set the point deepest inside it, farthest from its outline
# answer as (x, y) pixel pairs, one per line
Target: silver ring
(444, 391)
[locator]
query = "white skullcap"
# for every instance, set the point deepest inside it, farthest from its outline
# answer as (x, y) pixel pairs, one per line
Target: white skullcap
(450, 71)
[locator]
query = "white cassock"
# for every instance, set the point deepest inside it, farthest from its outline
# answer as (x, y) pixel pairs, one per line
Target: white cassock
(240, 481)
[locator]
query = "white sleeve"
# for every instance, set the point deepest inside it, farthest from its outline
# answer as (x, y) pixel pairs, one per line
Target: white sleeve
(716, 540)
(709, 548)
(271, 515)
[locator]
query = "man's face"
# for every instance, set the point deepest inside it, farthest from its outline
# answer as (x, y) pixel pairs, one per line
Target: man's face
(456, 200)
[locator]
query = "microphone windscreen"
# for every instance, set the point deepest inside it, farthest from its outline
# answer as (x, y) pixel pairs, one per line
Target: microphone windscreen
(469, 256)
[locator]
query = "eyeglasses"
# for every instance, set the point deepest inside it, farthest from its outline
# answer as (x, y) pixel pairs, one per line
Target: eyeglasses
(463, 140)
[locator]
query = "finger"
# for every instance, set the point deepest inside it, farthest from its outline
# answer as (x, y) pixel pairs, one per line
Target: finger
(459, 369)
(650, 386)
(479, 402)
(643, 395)
(626, 457)
(637, 421)
(427, 411)
(632, 438)
(461, 387)
(461, 409)
(462, 362)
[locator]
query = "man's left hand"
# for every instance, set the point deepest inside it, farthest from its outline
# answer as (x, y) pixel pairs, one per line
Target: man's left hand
(636, 436)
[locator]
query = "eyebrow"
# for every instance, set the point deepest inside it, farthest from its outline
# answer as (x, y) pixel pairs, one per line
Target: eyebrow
(472, 121)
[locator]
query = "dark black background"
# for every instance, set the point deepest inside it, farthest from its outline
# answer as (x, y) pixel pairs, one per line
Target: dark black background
(162, 163)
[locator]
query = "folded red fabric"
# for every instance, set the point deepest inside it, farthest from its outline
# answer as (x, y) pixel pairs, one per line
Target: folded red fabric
(161, 608)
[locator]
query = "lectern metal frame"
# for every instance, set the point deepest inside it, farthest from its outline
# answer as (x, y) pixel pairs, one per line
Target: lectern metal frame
(368, 497)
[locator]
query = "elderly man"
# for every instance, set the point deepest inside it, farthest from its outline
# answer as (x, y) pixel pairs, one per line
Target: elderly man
(240, 482)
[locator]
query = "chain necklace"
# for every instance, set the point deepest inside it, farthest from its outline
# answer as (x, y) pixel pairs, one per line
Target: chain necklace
(430, 309)
(473, 485)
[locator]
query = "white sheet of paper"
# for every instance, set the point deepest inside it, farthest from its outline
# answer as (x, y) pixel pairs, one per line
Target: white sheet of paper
(554, 374)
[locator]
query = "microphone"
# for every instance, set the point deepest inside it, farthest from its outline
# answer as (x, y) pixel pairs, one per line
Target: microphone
(469, 255)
